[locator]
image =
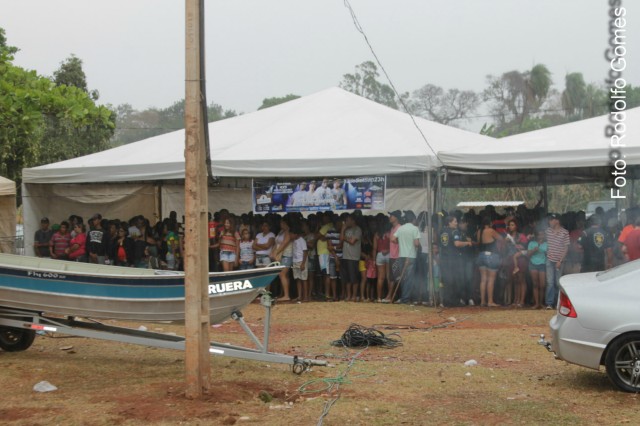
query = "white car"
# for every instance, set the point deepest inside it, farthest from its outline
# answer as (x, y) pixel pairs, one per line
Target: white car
(598, 323)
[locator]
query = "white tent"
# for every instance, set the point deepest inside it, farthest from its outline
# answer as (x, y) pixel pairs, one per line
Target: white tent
(330, 133)
(578, 144)
(7, 215)
(577, 152)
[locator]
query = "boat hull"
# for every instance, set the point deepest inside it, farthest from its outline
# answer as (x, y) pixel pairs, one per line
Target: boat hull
(111, 292)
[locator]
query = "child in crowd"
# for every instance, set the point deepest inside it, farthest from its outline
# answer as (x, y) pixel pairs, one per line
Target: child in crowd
(247, 253)
(309, 229)
(537, 253)
(300, 271)
(173, 246)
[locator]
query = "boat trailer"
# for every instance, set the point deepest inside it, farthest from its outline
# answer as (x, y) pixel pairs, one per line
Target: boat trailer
(18, 329)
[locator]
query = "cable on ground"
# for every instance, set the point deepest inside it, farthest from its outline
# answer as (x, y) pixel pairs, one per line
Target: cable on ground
(358, 336)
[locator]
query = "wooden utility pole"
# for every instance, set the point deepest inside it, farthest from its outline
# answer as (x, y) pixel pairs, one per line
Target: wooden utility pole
(197, 357)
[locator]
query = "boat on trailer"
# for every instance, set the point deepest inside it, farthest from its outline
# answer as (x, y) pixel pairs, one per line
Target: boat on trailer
(121, 293)
(45, 295)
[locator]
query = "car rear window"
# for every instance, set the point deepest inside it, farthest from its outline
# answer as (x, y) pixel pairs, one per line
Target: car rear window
(618, 271)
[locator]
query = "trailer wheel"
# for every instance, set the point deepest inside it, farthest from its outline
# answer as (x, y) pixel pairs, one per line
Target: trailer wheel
(16, 339)
(298, 368)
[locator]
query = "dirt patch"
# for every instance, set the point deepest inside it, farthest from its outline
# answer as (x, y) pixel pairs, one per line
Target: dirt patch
(18, 413)
(424, 381)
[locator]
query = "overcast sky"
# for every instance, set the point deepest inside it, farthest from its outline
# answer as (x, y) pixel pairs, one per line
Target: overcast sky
(133, 50)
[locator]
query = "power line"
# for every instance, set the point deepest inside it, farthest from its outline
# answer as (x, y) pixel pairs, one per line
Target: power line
(356, 23)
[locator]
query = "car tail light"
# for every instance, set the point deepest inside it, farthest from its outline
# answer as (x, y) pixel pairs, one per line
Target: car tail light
(566, 308)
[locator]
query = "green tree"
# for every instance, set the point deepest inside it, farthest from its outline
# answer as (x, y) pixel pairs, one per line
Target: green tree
(41, 122)
(6, 51)
(269, 102)
(632, 97)
(364, 82)
(433, 103)
(538, 84)
(574, 96)
(71, 73)
(133, 125)
(515, 96)
(595, 102)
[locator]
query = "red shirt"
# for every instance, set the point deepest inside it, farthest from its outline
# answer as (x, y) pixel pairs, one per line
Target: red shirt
(625, 231)
(212, 229)
(384, 243)
(81, 241)
(500, 225)
(632, 242)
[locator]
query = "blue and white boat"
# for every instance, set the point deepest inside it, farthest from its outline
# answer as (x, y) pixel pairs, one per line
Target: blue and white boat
(111, 292)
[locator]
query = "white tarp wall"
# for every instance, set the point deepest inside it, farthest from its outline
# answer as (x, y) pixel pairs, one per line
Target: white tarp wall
(123, 201)
(58, 202)
(7, 215)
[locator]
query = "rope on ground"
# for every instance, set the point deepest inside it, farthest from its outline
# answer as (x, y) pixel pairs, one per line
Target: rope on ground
(358, 336)
(331, 384)
(386, 326)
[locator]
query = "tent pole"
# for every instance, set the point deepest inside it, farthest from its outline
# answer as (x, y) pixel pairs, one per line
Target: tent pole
(158, 204)
(430, 202)
(545, 189)
(438, 199)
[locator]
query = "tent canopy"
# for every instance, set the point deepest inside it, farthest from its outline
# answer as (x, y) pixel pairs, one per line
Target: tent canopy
(581, 144)
(7, 215)
(329, 133)
(7, 187)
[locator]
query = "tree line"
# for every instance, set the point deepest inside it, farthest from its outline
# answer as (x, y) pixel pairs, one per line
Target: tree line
(49, 119)
(516, 101)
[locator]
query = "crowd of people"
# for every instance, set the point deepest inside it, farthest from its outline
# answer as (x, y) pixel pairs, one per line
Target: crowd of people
(133, 243)
(514, 258)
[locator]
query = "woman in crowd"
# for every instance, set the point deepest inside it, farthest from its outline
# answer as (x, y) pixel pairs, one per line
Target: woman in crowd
(263, 244)
(381, 249)
(283, 253)
(228, 242)
(537, 253)
(124, 247)
(516, 286)
(77, 250)
(488, 261)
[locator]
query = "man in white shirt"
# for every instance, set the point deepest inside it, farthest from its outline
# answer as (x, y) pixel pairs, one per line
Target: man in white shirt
(408, 239)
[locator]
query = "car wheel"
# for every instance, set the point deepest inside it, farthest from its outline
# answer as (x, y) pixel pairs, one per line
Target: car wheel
(623, 362)
(16, 339)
